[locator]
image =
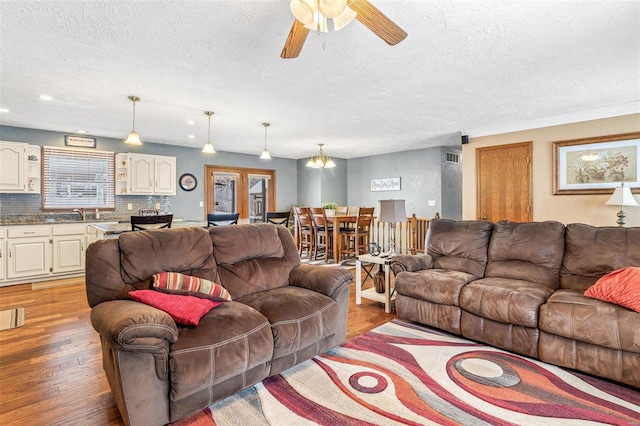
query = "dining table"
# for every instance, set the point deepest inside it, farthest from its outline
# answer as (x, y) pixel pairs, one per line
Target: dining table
(337, 221)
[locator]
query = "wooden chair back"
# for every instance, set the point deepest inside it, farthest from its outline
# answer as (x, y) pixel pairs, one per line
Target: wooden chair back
(164, 220)
(303, 230)
(219, 219)
(279, 218)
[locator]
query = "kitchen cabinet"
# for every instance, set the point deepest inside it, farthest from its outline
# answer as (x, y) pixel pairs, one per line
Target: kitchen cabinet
(140, 174)
(28, 252)
(19, 167)
(68, 248)
(3, 252)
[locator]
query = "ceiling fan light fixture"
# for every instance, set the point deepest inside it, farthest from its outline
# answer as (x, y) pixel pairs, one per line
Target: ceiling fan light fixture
(303, 10)
(208, 147)
(319, 23)
(265, 152)
(344, 19)
(133, 138)
(332, 8)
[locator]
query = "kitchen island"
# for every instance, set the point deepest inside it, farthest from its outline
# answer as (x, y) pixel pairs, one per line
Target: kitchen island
(114, 229)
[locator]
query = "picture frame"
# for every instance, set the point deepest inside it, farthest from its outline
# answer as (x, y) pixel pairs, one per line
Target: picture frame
(187, 182)
(385, 184)
(596, 165)
(79, 141)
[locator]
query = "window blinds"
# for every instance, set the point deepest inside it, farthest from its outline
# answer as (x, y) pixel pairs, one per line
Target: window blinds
(77, 178)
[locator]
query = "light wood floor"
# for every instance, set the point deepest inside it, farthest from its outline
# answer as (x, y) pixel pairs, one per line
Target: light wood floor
(51, 368)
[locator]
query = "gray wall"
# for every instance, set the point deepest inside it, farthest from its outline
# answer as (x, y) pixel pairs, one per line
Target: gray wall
(451, 193)
(317, 186)
(188, 160)
(420, 180)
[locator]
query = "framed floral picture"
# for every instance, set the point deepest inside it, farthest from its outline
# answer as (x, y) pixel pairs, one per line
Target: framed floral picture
(597, 165)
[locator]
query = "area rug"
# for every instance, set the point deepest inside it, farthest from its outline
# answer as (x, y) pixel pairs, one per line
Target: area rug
(11, 318)
(404, 374)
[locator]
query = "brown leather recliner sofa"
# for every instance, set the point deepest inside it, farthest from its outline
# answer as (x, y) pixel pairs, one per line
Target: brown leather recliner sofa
(282, 313)
(519, 287)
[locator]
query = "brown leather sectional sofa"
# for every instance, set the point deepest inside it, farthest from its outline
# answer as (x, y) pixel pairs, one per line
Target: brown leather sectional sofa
(282, 314)
(519, 287)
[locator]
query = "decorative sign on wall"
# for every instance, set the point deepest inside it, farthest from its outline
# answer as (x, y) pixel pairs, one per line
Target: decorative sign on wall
(387, 184)
(78, 141)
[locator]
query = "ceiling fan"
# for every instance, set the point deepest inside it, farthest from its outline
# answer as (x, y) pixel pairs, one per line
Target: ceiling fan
(313, 14)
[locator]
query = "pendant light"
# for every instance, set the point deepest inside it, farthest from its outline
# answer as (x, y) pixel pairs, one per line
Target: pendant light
(208, 147)
(265, 152)
(133, 138)
(321, 161)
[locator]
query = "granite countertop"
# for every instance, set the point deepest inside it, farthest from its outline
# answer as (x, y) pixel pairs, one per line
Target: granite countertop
(119, 228)
(62, 218)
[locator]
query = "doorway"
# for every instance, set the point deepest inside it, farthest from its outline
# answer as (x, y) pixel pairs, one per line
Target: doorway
(250, 192)
(505, 182)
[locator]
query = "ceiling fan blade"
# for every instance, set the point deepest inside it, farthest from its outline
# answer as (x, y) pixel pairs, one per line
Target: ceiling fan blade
(295, 40)
(377, 22)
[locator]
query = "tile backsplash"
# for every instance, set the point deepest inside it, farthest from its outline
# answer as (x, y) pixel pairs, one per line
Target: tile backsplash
(27, 208)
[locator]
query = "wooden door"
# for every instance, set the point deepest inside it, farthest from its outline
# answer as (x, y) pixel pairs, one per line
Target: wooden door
(504, 178)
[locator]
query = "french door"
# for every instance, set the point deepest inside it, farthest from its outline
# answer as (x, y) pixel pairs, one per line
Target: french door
(250, 192)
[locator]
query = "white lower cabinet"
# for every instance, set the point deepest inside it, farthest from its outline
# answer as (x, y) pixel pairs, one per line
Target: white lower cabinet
(28, 257)
(41, 252)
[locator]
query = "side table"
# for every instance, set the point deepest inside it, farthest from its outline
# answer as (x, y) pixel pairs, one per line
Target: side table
(371, 293)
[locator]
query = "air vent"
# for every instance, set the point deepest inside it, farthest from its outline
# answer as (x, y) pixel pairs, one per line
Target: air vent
(453, 158)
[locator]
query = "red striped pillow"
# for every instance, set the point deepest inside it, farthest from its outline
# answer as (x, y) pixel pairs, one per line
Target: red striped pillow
(621, 287)
(177, 283)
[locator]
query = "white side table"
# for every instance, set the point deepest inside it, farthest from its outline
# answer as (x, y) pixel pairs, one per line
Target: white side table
(371, 293)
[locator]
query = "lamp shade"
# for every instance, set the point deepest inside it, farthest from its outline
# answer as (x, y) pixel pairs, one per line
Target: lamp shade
(622, 197)
(392, 211)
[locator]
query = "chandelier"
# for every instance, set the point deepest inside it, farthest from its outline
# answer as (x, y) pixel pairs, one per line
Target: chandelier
(321, 161)
(314, 13)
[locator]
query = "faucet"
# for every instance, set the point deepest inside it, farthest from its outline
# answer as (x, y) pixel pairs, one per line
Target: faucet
(81, 212)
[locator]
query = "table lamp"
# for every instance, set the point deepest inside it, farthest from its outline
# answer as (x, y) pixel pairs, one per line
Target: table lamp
(622, 197)
(392, 211)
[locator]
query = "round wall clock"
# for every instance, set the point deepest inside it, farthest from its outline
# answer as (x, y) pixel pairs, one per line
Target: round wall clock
(188, 182)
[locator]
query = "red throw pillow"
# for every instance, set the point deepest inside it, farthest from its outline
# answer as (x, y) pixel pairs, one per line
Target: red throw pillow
(177, 283)
(621, 287)
(185, 310)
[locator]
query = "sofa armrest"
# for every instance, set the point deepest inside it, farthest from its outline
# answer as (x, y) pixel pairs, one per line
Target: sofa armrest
(321, 279)
(402, 263)
(135, 327)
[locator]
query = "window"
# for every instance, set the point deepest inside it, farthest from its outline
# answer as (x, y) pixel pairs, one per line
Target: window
(77, 179)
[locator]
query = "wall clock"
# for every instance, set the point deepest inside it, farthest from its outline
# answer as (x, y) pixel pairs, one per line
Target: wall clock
(188, 182)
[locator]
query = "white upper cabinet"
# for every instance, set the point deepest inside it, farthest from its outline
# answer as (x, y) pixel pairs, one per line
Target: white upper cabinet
(19, 167)
(140, 174)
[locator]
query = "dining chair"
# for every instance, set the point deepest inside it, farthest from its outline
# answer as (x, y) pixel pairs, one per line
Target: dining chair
(342, 210)
(356, 239)
(279, 218)
(164, 220)
(323, 234)
(220, 219)
(304, 230)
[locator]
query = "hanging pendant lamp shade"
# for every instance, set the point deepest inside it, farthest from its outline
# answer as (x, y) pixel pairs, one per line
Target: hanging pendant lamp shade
(208, 147)
(133, 138)
(321, 161)
(265, 152)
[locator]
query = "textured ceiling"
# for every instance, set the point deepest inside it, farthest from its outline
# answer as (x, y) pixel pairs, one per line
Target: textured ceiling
(474, 67)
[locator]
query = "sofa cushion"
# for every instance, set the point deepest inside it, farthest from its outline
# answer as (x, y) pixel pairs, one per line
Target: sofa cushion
(527, 251)
(591, 252)
(621, 287)
(186, 310)
(570, 314)
(433, 285)
(231, 339)
(144, 253)
(298, 317)
(177, 283)
(505, 300)
(459, 245)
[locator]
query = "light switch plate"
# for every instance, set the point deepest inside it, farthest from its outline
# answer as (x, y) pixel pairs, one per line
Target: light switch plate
(129, 206)
(432, 203)
(201, 204)
(157, 206)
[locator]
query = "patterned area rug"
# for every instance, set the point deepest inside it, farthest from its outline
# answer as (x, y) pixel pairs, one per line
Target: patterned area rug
(401, 373)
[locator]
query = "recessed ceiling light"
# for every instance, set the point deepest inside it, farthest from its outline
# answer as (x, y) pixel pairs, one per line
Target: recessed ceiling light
(4, 110)
(192, 136)
(81, 131)
(191, 122)
(46, 98)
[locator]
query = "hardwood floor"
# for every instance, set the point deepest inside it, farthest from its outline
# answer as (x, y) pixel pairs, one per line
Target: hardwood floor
(51, 368)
